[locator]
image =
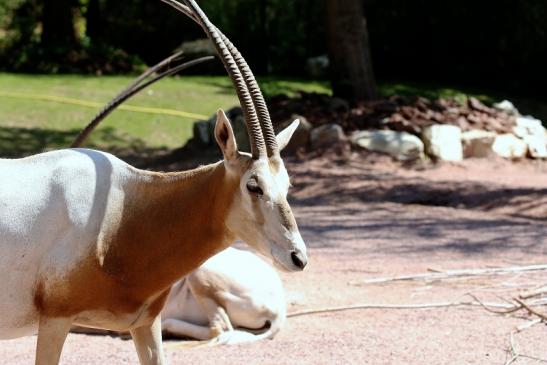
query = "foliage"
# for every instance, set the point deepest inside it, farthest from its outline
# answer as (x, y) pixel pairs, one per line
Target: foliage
(499, 45)
(22, 48)
(274, 35)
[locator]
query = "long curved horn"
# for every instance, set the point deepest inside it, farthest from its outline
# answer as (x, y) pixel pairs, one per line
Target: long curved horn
(258, 99)
(252, 85)
(256, 139)
(133, 89)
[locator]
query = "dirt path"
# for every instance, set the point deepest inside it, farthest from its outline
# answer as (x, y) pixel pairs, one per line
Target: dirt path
(361, 222)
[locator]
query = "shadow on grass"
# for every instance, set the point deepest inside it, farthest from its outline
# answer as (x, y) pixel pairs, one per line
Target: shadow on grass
(18, 142)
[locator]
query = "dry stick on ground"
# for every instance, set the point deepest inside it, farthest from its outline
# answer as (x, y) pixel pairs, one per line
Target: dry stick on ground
(510, 308)
(531, 310)
(534, 293)
(528, 324)
(457, 273)
(512, 351)
(515, 353)
(477, 302)
(399, 306)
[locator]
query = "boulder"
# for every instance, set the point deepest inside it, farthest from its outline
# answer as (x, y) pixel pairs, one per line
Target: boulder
(528, 126)
(532, 132)
(537, 147)
(506, 106)
(202, 133)
(240, 132)
(443, 141)
(477, 143)
(326, 136)
(509, 146)
(301, 135)
(400, 145)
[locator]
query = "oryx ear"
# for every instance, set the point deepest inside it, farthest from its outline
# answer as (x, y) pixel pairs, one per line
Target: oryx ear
(285, 135)
(224, 135)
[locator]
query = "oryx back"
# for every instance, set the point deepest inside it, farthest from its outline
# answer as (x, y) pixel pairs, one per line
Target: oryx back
(52, 207)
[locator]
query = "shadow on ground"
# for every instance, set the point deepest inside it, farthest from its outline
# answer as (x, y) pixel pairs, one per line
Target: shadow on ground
(328, 182)
(339, 182)
(395, 229)
(19, 142)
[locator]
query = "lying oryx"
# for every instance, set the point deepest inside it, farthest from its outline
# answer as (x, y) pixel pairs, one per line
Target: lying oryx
(87, 239)
(232, 290)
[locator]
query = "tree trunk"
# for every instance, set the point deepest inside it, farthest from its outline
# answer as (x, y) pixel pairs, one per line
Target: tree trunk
(352, 76)
(93, 20)
(58, 31)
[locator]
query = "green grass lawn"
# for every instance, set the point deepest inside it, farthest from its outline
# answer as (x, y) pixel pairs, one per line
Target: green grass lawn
(28, 126)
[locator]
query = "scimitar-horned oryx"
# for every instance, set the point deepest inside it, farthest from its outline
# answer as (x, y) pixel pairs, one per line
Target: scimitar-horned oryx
(87, 239)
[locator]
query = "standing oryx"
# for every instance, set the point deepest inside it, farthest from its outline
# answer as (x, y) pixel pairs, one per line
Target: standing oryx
(233, 297)
(87, 239)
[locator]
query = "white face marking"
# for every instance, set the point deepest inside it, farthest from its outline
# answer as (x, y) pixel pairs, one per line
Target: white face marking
(262, 217)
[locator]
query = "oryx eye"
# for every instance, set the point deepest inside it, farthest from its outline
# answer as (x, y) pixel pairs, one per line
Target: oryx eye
(253, 188)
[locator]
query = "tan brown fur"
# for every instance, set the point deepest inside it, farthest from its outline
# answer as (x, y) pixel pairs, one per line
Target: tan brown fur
(170, 224)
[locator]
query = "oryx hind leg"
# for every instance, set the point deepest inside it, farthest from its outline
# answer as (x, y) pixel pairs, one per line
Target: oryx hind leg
(52, 334)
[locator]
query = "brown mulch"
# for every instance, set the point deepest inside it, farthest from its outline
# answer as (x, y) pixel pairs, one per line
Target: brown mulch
(395, 113)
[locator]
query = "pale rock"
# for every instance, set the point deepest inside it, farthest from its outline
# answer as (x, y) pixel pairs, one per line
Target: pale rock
(477, 143)
(528, 126)
(537, 146)
(444, 142)
(326, 136)
(240, 132)
(509, 146)
(202, 132)
(400, 145)
(532, 132)
(301, 135)
(506, 106)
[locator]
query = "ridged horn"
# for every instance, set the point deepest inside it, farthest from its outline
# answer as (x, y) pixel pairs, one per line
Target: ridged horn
(258, 99)
(252, 85)
(254, 129)
(133, 89)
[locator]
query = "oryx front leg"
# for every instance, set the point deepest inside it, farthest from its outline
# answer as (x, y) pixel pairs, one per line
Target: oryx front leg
(219, 322)
(52, 333)
(180, 328)
(147, 341)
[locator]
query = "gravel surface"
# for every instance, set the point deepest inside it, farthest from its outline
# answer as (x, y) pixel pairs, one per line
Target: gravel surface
(359, 223)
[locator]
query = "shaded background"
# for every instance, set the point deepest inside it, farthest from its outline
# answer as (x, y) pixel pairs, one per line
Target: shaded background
(494, 45)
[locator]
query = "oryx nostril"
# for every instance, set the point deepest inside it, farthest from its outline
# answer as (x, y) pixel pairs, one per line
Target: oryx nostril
(298, 260)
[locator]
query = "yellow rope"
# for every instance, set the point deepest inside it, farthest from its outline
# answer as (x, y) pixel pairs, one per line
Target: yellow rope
(91, 104)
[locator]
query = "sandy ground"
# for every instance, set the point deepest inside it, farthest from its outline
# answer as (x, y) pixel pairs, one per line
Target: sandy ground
(364, 220)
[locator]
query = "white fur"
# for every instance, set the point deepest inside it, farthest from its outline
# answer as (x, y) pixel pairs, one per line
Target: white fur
(251, 293)
(52, 206)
